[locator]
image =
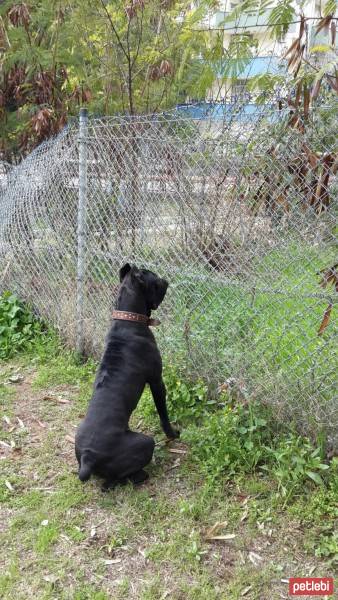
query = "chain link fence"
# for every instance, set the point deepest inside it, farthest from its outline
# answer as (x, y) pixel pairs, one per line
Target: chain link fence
(239, 215)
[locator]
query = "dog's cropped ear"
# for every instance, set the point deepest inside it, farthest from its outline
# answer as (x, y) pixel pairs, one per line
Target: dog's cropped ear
(137, 276)
(124, 270)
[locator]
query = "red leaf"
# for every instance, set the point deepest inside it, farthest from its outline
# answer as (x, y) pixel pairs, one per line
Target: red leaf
(326, 320)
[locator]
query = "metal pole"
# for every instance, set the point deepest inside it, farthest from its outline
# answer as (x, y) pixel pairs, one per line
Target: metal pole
(81, 229)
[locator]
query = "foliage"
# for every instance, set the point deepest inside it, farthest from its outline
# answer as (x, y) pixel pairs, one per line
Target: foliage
(293, 462)
(244, 439)
(112, 56)
(229, 442)
(18, 326)
(311, 60)
(318, 515)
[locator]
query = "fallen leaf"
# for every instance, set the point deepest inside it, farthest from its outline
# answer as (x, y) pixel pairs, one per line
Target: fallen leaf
(177, 451)
(112, 561)
(44, 523)
(166, 594)
(70, 439)
(42, 425)
(21, 423)
(7, 420)
(50, 578)
(92, 532)
(246, 590)
(15, 378)
(255, 558)
(174, 465)
(227, 536)
(216, 527)
(244, 516)
(62, 400)
(9, 486)
(4, 444)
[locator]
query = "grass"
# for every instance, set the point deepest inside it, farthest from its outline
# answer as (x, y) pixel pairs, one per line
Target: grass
(262, 333)
(63, 539)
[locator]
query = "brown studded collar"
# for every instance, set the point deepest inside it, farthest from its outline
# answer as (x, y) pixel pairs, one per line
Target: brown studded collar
(124, 315)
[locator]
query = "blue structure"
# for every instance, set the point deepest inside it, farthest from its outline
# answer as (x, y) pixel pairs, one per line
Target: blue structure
(237, 107)
(221, 111)
(260, 65)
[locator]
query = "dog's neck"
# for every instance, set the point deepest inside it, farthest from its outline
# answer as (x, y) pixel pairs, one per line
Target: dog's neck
(128, 301)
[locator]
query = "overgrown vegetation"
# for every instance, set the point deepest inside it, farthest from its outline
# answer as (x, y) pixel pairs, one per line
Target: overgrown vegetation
(18, 326)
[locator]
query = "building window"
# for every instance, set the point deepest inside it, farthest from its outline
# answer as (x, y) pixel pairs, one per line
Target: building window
(239, 89)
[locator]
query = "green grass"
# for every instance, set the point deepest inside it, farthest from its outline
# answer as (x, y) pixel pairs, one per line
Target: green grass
(262, 332)
(61, 533)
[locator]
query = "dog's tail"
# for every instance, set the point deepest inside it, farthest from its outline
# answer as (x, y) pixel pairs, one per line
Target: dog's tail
(86, 465)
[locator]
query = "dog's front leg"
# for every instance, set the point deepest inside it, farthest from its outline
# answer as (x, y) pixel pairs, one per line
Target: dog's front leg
(159, 394)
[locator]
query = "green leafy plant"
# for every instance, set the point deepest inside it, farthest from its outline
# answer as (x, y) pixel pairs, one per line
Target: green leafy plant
(294, 462)
(230, 441)
(318, 515)
(186, 399)
(18, 326)
(244, 439)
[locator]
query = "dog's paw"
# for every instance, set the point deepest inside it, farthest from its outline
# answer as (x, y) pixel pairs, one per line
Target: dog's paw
(108, 485)
(173, 434)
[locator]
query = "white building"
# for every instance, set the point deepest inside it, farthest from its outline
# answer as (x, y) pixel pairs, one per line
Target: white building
(266, 52)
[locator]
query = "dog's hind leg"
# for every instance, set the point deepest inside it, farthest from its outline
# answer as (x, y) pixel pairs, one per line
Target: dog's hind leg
(139, 477)
(135, 451)
(135, 478)
(109, 485)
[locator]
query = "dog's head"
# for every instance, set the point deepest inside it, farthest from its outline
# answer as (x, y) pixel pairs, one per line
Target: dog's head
(152, 287)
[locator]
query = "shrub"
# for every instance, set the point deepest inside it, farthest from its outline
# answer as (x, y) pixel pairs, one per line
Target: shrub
(18, 326)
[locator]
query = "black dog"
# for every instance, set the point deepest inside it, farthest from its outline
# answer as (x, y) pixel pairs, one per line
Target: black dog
(104, 444)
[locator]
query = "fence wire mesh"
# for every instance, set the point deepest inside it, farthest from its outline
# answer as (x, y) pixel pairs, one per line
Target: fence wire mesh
(238, 215)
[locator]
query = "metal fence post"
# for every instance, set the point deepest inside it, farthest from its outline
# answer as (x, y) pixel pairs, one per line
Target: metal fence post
(81, 229)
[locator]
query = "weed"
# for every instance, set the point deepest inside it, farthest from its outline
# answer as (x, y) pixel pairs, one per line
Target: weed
(18, 326)
(319, 516)
(88, 593)
(46, 536)
(7, 579)
(293, 462)
(229, 441)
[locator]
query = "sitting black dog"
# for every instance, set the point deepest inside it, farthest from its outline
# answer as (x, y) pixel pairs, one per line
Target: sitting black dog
(104, 444)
